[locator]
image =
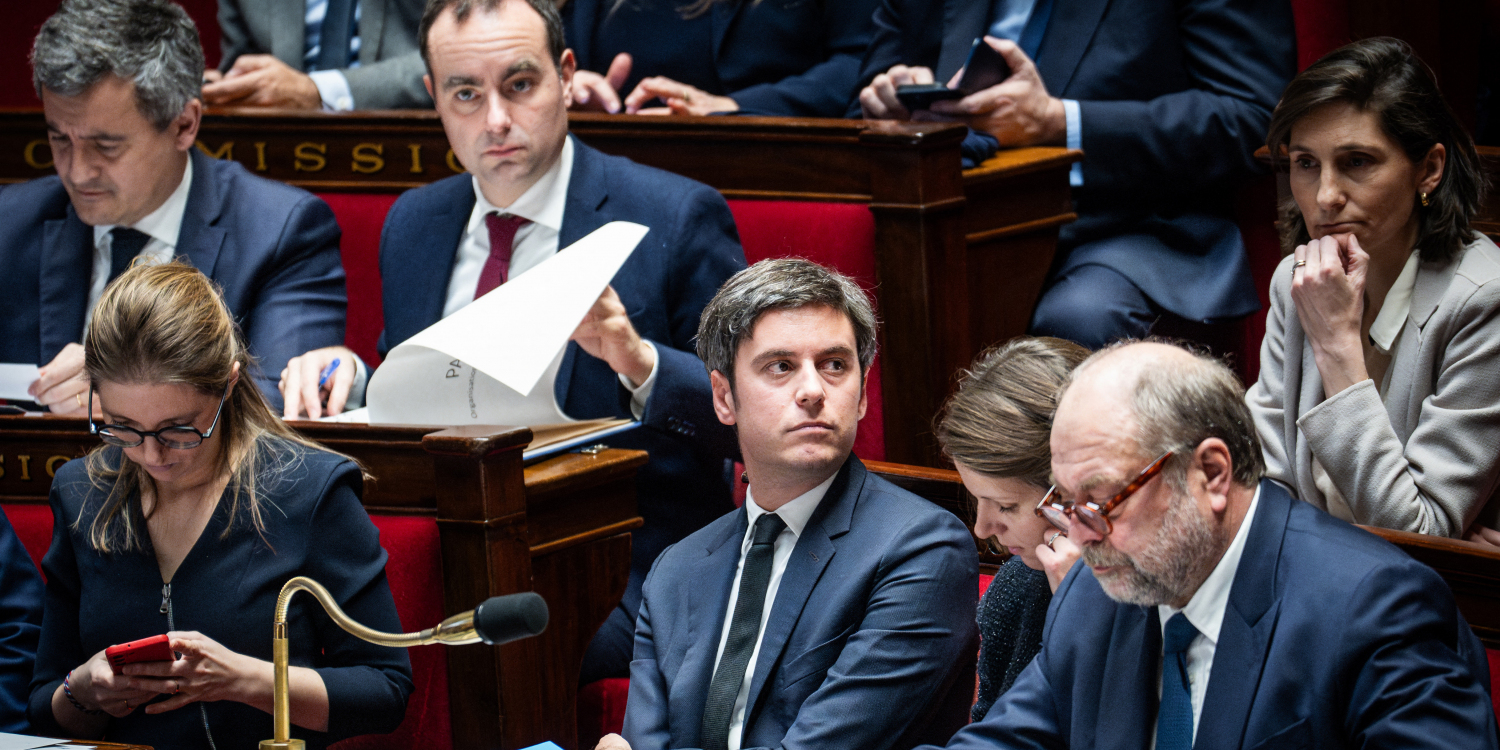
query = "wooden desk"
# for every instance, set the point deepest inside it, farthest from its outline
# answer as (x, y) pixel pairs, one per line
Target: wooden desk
(559, 527)
(960, 256)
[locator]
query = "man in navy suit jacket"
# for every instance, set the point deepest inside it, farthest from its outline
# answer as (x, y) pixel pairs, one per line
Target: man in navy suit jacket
(1265, 622)
(1168, 100)
(125, 160)
(505, 113)
(832, 611)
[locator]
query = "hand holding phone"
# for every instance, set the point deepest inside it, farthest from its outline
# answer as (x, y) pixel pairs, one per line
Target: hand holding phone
(155, 648)
(984, 68)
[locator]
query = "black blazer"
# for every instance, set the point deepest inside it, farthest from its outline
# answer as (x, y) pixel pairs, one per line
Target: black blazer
(795, 58)
(1174, 98)
(226, 588)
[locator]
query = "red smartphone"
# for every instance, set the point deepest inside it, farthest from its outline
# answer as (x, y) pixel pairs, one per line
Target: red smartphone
(155, 648)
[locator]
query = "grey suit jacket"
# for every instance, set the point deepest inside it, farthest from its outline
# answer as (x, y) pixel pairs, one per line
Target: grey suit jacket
(1425, 460)
(390, 71)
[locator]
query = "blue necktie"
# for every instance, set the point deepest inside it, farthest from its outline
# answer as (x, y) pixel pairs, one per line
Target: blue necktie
(724, 689)
(124, 244)
(333, 43)
(1174, 720)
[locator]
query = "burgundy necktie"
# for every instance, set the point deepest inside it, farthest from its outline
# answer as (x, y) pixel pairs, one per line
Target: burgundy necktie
(502, 244)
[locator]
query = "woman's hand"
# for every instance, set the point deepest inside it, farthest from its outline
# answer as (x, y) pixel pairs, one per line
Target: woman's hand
(96, 686)
(1328, 288)
(681, 99)
(204, 671)
(1483, 535)
(1057, 558)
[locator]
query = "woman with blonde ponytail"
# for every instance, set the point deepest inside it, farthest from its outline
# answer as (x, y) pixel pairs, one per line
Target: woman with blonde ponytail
(199, 505)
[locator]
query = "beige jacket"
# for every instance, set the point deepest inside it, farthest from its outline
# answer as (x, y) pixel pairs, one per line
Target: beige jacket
(1427, 458)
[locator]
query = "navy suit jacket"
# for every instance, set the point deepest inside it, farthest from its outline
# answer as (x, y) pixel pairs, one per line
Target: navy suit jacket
(691, 250)
(20, 627)
(271, 248)
(1174, 98)
(794, 58)
(1331, 638)
(865, 642)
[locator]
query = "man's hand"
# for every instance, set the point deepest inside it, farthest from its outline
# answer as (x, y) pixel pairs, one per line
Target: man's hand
(597, 93)
(263, 81)
(612, 742)
(878, 100)
(1018, 111)
(606, 333)
(299, 383)
(61, 384)
(681, 99)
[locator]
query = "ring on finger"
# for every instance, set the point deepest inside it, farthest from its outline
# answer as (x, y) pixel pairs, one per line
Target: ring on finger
(1052, 539)
(78, 397)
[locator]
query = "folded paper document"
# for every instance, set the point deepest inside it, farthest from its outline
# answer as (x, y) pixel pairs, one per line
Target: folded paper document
(495, 361)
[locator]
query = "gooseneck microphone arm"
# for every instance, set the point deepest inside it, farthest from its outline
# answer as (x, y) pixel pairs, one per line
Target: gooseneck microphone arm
(498, 620)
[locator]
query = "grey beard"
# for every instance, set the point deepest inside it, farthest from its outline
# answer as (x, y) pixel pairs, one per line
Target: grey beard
(1171, 568)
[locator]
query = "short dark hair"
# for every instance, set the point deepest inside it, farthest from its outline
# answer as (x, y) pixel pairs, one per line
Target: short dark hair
(1382, 75)
(999, 421)
(152, 43)
(547, 9)
(777, 284)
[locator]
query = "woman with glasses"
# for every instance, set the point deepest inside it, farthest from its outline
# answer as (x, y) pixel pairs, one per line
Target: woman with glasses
(199, 505)
(996, 429)
(1378, 398)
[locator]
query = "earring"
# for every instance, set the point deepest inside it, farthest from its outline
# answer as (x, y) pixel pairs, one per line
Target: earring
(1425, 202)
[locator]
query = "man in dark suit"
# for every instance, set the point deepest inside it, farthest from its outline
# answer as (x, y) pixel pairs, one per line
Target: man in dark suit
(500, 77)
(130, 184)
(1168, 101)
(1265, 622)
(319, 54)
(832, 610)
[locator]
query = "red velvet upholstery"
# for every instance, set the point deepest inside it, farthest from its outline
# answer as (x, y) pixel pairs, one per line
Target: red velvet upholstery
(601, 710)
(1494, 655)
(33, 525)
(839, 235)
(361, 216)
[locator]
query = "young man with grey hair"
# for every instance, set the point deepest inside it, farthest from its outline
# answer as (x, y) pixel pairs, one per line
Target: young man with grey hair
(834, 610)
(1213, 609)
(119, 84)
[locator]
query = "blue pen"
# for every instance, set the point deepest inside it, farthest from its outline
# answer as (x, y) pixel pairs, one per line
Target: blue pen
(327, 372)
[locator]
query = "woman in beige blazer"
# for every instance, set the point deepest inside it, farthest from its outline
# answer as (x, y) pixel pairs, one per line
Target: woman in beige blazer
(1379, 391)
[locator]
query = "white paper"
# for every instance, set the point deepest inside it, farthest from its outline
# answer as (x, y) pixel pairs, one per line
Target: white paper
(23, 741)
(14, 380)
(496, 360)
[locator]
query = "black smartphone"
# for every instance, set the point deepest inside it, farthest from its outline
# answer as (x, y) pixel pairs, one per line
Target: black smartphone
(984, 68)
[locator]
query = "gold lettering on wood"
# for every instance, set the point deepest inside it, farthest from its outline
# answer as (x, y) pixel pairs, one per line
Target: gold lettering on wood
(260, 156)
(2, 467)
(225, 152)
(53, 463)
(30, 155)
(368, 158)
(453, 162)
(25, 468)
(416, 157)
(310, 157)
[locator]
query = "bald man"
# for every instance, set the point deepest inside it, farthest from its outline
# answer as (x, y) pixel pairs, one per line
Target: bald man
(1211, 608)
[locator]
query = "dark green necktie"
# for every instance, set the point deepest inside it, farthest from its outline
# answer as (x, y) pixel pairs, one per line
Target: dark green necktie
(718, 709)
(124, 244)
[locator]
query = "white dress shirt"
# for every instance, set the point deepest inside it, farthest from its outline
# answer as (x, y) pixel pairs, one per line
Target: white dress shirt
(333, 87)
(1205, 610)
(162, 226)
(543, 204)
(796, 514)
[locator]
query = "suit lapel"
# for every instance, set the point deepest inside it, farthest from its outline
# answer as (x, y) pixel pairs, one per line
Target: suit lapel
(428, 273)
(1432, 282)
(583, 213)
(1070, 30)
(1249, 623)
(371, 28)
(1127, 715)
(66, 274)
(199, 238)
(289, 32)
(815, 548)
(963, 22)
(706, 605)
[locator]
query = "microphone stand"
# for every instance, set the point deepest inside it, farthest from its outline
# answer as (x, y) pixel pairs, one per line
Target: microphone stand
(454, 631)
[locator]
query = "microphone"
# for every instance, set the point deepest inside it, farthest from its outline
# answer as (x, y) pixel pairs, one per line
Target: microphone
(503, 619)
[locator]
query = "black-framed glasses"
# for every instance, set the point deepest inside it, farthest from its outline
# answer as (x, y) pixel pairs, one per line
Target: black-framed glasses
(1060, 513)
(179, 437)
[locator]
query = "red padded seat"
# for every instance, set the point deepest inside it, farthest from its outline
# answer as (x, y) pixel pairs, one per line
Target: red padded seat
(33, 525)
(361, 216)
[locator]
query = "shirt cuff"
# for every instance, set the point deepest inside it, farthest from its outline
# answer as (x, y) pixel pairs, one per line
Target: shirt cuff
(357, 388)
(640, 394)
(1075, 139)
(333, 88)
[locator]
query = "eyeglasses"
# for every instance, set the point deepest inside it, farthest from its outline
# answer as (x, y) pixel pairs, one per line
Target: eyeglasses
(1060, 513)
(179, 437)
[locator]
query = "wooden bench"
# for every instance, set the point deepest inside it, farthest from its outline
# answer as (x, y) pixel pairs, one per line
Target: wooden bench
(462, 520)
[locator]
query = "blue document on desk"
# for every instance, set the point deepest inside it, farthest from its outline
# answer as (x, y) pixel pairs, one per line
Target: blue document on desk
(543, 746)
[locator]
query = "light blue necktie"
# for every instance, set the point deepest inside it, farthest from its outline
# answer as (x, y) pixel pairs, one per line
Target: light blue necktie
(1174, 720)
